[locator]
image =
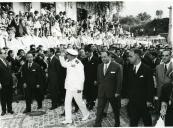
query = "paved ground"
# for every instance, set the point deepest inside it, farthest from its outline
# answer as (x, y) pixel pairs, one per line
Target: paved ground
(45, 118)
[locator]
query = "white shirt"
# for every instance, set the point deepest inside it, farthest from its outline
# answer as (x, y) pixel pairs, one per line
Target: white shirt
(137, 66)
(90, 57)
(167, 65)
(75, 74)
(51, 58)
(106, 66)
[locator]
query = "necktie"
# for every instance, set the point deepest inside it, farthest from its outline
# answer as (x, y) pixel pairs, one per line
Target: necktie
(48, 60)
(29, 65)
(134, 69)
(165, 68)
(105, 69)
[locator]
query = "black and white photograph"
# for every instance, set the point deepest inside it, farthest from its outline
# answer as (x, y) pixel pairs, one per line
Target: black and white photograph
(86, 63)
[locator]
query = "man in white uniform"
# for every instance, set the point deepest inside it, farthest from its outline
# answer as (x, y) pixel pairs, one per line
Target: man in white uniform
(73, 84)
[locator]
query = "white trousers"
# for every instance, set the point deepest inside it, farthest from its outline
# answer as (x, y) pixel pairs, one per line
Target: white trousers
(68, 104)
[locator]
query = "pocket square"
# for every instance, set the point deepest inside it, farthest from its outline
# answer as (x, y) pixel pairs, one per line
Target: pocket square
(112, 72)
(141, 76)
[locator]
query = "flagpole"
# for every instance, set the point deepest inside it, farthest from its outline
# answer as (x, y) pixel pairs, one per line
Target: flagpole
(170, 32)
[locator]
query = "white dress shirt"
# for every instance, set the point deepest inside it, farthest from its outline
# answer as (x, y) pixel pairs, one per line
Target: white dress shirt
(167, 65)
(137, 66)
(106, 66)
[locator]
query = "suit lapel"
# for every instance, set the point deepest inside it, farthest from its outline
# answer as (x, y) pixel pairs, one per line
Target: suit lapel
(162, 70)
(102, 69)
(139, 72)
(169, 68)
(2, 63)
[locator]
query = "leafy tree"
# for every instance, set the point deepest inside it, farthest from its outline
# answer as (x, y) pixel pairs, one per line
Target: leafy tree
(129, 20)
(144, 17)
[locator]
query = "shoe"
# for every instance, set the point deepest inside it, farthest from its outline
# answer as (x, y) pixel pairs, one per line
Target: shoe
(76, 110)
(86, 117)
(66, 122)
(63, 114)
(97, 125)
(104, 115)
(90, 107)
(3, 113)
(11, 112)
(26, 111)
(117, 125)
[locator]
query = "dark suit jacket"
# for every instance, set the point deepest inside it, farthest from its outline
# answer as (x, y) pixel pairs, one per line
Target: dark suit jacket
(5, 76)
(140, 85)
(54, 73)
(167, 89)
(111, 83)
(31, 76)
(90, 68)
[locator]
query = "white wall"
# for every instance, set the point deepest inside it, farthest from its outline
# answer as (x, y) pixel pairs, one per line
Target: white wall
(18, 6)
(71, 10)
(36, 6)
(60, 6)
(69, 7)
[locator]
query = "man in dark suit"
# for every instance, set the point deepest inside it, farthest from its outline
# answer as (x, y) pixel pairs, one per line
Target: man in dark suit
(167, 104)
(109, 80)
(31, 77)
(90, 68)
(6, 83)
(54, 81)
(140, 89)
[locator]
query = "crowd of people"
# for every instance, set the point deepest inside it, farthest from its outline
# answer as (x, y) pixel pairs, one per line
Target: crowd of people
(68, 73)
(40, 74)
(48, 23)
(45, 27)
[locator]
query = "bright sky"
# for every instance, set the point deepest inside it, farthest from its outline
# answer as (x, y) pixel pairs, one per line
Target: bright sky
(134, 7)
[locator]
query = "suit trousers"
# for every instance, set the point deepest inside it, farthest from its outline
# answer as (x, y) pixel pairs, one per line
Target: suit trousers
(169, 117)
(138, 110)
(6, 99)
(30, 95)
(91, 93)
(115, 103)
(68, 104)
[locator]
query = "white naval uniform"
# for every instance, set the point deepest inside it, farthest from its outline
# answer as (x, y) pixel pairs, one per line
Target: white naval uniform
(74, 81)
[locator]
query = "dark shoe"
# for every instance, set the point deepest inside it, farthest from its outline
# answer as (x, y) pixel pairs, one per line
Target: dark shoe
(117, 125)
(104, 115)
(11, 112)
(63, 114)
(3, 113)
(76, 110)
(26, 111)
(90, 107)
(97, 125)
